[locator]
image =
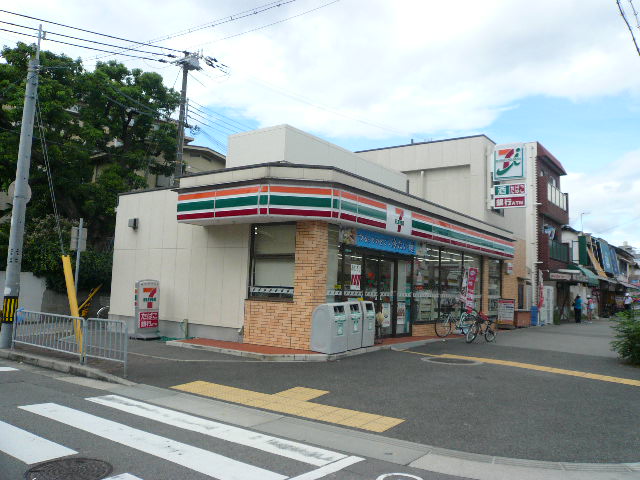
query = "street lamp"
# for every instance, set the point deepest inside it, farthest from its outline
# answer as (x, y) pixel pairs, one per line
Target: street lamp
(581, 225)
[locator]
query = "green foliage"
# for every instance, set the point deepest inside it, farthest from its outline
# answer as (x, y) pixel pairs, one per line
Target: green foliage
(104, 129)
(42, 255)
(627, 342)
(104, 132)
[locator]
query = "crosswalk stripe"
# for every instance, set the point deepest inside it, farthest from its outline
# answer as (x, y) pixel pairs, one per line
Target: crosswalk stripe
(327, 469)
(8, 369)
(194, 458)
(124, 476)
(29, 448)
(278, 446)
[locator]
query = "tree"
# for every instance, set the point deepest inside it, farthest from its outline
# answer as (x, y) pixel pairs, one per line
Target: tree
(104, 131)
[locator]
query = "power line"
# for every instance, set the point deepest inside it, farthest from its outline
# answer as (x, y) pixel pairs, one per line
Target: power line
(88, 48)
(242, 128)
(207, 125)
(267, 25)
(87, 40)
(624, 17)
(89, 31)
(211, 112)
(209, 120)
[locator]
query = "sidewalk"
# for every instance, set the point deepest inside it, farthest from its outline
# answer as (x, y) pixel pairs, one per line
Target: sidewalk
(275, 354)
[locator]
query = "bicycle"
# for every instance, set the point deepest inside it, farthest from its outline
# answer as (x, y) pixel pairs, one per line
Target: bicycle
(445, 324)
(480, 320)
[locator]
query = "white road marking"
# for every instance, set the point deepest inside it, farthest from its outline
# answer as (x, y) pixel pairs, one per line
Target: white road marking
(29, 448)
(124, 476)
(293, 450)
(8, 369)
(194, 458)
(327, 469)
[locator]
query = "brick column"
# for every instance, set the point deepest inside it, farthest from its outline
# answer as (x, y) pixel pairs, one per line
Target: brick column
(288, 323)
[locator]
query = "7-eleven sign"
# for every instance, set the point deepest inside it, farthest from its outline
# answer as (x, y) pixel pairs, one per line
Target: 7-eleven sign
(508, 161)
(398, 220)
(147, 304)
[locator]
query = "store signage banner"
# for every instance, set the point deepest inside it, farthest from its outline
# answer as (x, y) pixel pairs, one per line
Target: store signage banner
(506, 310)
(472, 276)
(512, 201)
(508, 162)
(356, 275)
(506, 189)
(398, 220)
(559, 276)
(387, 243)
(147, 295)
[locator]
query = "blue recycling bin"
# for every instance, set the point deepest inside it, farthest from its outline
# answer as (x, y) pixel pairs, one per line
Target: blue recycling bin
(534, 316)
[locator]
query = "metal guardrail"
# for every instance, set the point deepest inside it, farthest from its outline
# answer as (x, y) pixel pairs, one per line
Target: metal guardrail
(107, 340)
(85, 338)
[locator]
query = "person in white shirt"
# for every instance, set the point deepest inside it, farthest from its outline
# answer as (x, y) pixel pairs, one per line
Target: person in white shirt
(627, 301)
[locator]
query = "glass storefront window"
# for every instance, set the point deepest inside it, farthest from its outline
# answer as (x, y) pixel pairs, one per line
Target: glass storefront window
(352, 273)
(471, 260)
(272, 260)
(426, 273)
(334, 266)
(451, 274)
(495, 285)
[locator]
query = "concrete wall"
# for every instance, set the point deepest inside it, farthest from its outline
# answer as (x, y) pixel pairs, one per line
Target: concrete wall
(32, 291)
(202, 270)
(285, 143)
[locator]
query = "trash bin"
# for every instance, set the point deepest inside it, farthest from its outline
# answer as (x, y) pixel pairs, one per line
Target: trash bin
(328, 328)
(354, 326)
(368, 323)
(534, 316)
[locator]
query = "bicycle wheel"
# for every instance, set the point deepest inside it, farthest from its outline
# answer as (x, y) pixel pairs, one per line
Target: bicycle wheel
(489, 333)
(472, 332)
(464, 322)
(443, 326)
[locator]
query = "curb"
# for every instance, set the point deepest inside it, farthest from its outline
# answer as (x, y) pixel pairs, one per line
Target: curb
(62, 366)
(312, 357)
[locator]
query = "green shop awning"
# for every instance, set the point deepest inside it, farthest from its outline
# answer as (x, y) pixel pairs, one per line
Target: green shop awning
(592, 278)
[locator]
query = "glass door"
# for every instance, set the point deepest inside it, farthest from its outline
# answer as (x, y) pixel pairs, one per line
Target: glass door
(387, 298)
(403, 296)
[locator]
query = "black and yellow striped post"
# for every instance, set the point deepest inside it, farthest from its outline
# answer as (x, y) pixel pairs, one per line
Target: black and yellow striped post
(9, 308)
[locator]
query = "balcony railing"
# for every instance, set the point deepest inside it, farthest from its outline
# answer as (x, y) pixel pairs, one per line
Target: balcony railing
(555, 196)
(559, 251)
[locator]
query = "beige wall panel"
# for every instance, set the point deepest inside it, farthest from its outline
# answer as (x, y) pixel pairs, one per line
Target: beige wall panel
(234, 287)
(181, 285)
(122, 283)
(197, 270)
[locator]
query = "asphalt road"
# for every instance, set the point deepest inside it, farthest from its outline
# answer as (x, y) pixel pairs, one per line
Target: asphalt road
(481, 408)
(48, 415)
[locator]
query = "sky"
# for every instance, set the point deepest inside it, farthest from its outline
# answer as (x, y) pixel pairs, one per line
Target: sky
(372, 73)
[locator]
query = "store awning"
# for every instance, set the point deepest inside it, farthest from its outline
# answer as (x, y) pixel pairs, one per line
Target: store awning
(592, 278)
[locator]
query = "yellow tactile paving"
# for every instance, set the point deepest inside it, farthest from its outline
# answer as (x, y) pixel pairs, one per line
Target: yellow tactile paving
(302, 393)
(294, 401)
(541, 368)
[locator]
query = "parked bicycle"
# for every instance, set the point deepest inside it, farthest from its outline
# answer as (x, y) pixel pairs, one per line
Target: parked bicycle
(482, 325)
(452, 320)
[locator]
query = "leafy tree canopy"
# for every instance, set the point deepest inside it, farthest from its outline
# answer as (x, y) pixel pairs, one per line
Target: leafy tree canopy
(104, 131)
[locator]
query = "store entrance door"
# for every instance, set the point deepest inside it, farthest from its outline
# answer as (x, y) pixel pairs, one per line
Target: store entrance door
(387, 282)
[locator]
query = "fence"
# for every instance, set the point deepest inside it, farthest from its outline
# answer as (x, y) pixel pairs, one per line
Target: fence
(94, 337)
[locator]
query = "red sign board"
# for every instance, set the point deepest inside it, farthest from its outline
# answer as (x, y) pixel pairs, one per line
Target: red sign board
(471, 287)
(510, 201)
(148, 319)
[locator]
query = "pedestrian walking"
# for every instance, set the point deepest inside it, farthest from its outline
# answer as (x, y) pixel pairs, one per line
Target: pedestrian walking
(591, 306)
(577, 308)
(627, 301)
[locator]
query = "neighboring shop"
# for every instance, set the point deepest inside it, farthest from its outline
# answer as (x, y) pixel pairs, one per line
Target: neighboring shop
(256, 248)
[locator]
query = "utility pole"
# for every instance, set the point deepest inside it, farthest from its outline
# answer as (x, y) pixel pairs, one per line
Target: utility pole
(20, 199)
(189, 62)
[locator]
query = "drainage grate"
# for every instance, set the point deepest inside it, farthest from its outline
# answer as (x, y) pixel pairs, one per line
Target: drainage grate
(70, 469)
(450, 361)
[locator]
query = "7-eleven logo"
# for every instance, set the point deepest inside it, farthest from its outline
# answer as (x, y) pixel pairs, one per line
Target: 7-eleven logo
(508, 161)
(398, 220)
(149, 296)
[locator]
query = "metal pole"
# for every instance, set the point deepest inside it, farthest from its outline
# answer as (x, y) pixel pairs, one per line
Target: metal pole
(16, 236)
(78, 253)
(181, 120)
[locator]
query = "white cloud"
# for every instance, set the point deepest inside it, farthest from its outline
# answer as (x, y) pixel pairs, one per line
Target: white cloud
(611, 196)
(414, 66)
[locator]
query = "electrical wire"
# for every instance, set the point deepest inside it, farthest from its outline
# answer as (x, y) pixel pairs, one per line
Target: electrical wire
(267, 25)
(89, 31)
(207, 125)
(88, 48)
(209, 117)
(87, 40)
(232, 131)
(210, 111)
(45, 154)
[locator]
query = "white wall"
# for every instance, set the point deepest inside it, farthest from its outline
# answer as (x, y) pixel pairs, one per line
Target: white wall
(285, 143)
(202, 270)
(32, 290)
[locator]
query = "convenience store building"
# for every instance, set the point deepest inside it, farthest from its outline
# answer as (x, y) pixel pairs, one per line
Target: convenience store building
(294, 221)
